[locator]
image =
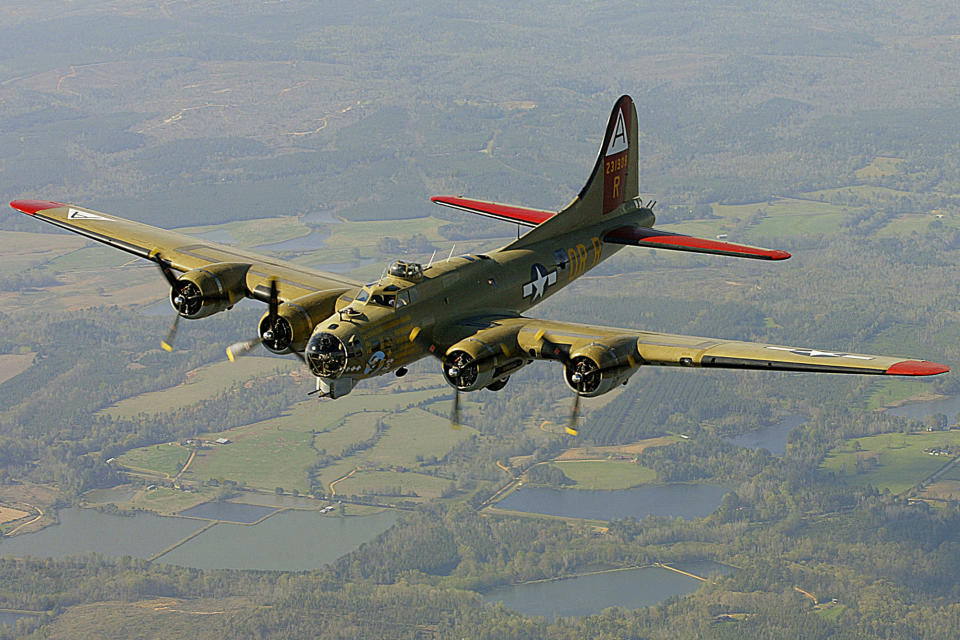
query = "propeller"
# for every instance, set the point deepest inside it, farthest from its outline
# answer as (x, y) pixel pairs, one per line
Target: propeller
(274, 332)
(175, 285)
(460, 374)
(581, 375)
(237, 349)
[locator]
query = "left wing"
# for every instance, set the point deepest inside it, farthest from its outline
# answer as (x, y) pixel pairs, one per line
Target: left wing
(625, 348)
(182, 252)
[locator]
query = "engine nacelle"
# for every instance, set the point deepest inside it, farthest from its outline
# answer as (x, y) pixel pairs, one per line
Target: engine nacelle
(485, 359)
(296, 321)
(208, 290)
(596, 368)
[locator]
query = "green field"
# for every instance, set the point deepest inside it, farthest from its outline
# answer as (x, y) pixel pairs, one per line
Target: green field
(892, 390)
(250, 233)
(606, 474)
(384, 482)
(893, 461)
(166, 500)
(205, 382)
(279, 452)
(880, 167)
(166, 458)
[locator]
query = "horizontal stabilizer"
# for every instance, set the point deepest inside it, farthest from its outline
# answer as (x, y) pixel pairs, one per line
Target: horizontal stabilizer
(649, 237)
(520, 215)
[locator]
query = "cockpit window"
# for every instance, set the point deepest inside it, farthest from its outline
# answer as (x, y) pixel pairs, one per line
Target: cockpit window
(364, 295)
(384, 299)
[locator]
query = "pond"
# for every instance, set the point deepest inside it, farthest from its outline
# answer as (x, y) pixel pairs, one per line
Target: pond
(772, 438)
(950, 407)
(228, 511)
(586, 595)
(675, 500)
(90, 531)
(288, 541)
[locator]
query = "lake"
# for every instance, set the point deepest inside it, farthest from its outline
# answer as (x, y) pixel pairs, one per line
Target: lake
(772, 438)
(586, 595)
(228, 511)
(288, 541)
(675, 500)
(90, 531)
(950, 407)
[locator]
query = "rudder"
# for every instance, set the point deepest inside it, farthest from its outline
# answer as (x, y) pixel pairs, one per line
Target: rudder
(613, 181)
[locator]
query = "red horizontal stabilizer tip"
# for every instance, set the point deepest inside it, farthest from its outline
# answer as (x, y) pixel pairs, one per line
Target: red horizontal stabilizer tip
(30, 207)
(917, 368)
(648, 237)
(495, 210)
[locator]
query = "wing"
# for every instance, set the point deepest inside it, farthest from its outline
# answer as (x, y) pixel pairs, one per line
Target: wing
(183, 252)
(624, 348)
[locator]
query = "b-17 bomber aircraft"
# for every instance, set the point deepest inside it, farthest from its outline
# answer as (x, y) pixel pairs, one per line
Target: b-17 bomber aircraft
(467, 311)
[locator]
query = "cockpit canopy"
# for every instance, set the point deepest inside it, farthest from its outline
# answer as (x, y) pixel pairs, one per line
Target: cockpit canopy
(410, 271)
(389, 296)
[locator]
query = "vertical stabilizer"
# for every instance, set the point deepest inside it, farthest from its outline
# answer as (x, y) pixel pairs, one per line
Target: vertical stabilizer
(614, 180)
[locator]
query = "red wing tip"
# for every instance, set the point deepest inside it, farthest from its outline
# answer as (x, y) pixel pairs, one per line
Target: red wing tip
(30, 207)
(778, 254)
(917, 368)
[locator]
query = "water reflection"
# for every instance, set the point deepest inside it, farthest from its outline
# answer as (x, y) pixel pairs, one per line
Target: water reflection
(676, 500)
(10, 618)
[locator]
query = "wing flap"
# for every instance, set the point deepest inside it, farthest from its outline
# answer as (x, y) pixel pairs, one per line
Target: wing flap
(180, 251)
(649, 237)
(511, 213)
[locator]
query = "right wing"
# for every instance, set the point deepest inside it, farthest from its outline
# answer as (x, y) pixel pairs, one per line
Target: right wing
(182, 252)
(632, 348)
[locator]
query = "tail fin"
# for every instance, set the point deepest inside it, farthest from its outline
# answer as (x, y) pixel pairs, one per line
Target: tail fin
(614, 180)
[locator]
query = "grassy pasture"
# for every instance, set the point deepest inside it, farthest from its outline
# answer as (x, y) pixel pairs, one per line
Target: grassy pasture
(606, 474)
(167, 458)
(168, 501)
(24, 250)
(250, 233)
(894, 461)
(279, 452)
(893, 390)
(880, 166)
(205, 382)
(415, 432)
(382, 482)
